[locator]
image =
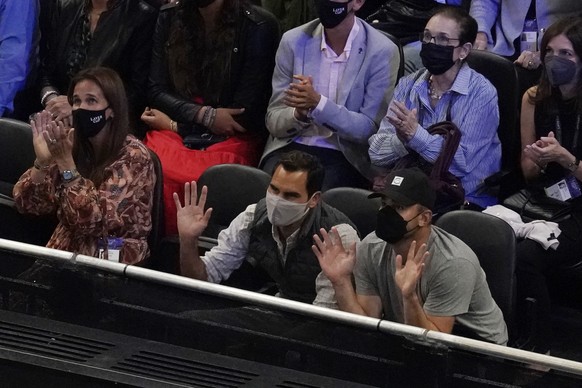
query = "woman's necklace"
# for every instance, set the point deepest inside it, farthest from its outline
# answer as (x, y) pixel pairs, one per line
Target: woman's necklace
(432, 92)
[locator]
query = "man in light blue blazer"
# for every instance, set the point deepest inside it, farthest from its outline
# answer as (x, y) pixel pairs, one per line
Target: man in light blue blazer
(332, 82)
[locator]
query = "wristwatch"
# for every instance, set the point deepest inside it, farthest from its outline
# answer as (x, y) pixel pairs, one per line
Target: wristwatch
(574, 165)
(69, 175)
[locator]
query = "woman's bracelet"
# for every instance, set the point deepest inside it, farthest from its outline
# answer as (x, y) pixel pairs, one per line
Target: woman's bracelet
(209, 116)
(46, 95)
(173, 126)
(39, 167)
(212, 118)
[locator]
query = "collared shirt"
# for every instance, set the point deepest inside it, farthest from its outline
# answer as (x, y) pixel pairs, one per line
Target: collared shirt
(18, 23)
(232, 249)
(474, 110)
(331, 70)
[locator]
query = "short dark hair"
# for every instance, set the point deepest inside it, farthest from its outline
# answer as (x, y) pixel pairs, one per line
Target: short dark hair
(301, 161)
(467, 25)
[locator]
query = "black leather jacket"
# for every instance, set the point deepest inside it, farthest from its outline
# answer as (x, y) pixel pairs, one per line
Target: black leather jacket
(249, 84)
(121, 41)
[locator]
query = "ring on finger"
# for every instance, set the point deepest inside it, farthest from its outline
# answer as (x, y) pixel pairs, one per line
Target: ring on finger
(53, 141)
(530, 64)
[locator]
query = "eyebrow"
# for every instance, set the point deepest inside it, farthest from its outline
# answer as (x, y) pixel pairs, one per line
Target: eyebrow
(293, 194)
(87, 95)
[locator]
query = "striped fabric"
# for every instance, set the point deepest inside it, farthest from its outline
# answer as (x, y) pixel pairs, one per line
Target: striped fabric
(474, 110)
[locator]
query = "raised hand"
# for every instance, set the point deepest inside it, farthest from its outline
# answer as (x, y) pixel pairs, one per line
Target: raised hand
(192, 219)
(336, 262)
(408, 274)
(59, 140)
(404, 120)
(40, 123)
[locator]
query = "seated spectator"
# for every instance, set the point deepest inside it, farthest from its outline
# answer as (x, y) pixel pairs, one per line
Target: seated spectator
(410, 271)
(96, 177)
(333, 78)
(211, 67)
(88, 33)
(273, 234)
(405, 20)
(447, 88)
(501, 24)
(18, 32)
(552, 149)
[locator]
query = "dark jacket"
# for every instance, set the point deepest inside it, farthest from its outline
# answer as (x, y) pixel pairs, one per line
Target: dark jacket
(249, 84)
(296, 279)
(121, 41)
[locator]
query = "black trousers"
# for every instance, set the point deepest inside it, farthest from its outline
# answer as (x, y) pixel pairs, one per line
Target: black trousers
(532, 267)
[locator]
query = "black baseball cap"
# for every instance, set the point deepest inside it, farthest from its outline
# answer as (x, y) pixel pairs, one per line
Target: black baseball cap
(408, 187)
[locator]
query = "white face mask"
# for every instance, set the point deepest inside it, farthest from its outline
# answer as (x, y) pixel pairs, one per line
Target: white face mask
(282, 212)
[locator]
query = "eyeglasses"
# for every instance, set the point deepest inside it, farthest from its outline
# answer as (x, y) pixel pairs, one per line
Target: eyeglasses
(440, 39)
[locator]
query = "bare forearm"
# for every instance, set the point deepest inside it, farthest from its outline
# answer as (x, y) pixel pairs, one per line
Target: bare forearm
(415, 315)
(191, 265)
(346, 297)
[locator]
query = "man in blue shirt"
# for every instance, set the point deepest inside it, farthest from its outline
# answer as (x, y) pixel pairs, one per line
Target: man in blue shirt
(18, 26)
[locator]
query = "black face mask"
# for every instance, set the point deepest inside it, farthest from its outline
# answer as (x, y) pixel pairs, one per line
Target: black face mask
(331, 13)
(560, 71)
(437, 59)
(391, 226)
(89, 123)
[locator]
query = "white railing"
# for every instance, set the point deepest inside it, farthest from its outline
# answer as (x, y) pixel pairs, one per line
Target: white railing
(414, 333)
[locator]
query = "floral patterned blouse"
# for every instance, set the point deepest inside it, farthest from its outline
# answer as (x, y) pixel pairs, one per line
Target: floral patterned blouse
(120, 207)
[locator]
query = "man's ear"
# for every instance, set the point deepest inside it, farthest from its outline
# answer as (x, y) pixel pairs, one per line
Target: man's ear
(314, 200)
(425, 218)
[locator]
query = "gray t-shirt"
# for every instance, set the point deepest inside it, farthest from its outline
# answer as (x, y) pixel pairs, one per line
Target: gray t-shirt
(452, 284)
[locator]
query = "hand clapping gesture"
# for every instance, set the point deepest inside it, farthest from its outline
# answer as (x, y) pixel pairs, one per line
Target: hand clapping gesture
(52, 140)
(404, 120)
(408, 274)
(302, 96)
(545, 150)
(336, 262)
(192, 219)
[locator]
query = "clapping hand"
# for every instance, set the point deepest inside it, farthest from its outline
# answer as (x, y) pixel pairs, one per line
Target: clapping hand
(301, 95)
(192, 219)
(336, 262)
(545, 150)
(408, 274)
(39, 123)
(404, 120)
